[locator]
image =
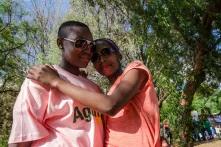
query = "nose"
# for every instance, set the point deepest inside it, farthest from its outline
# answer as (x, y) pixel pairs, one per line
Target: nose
(87, 49)
(102, 59)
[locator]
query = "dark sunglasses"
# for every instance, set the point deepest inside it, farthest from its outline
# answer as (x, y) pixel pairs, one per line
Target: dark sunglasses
(105, 52)
(81, 43)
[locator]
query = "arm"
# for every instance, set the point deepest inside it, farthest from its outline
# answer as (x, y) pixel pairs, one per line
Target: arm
(28, 111)
(111, 104)
(22, 144)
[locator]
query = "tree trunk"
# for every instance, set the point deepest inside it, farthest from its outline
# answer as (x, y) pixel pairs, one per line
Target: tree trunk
(195, 79)
(198, 73)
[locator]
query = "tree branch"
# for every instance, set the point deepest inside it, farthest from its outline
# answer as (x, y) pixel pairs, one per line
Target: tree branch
(7, 25)
(14, 48)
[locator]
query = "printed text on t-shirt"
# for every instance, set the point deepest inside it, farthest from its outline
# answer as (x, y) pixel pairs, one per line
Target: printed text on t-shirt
(84, 113)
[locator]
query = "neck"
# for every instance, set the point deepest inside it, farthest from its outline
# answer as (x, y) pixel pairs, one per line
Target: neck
(114, 77)
(70, 68)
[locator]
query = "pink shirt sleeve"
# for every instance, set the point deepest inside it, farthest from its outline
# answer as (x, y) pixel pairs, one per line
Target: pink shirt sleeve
(28, 113)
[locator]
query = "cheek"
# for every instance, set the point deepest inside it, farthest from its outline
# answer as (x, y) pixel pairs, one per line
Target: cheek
(70, 56)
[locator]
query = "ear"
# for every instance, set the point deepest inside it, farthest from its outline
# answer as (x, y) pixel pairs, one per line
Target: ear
(60, 43)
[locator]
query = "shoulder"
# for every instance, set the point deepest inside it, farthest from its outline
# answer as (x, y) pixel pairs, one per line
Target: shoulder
(33, 85)
(32, 91)
(136, 63)
(32, 96)
(135, 73)
(79, 81)
(138, 69)
(139, 66)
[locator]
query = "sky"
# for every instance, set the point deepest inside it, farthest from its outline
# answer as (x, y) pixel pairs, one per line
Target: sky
(61, 6)
(54, 10)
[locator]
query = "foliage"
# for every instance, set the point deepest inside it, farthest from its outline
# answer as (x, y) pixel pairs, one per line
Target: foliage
(177, 40)
(204, 101)
(104, 23)
(14, 38)
(45, 16)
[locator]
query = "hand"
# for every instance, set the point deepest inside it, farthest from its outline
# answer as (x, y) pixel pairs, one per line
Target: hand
(45, 74)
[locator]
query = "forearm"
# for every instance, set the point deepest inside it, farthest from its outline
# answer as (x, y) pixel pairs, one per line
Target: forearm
(98, 101)
(103, 103)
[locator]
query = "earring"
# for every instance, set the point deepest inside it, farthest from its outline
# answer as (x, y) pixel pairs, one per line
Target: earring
(61, 47)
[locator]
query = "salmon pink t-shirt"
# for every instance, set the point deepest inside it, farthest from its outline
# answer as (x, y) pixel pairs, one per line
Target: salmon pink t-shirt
(137, 124)
(49, 118)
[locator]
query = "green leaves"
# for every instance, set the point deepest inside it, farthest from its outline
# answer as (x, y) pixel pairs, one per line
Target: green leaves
(14, 32)
(176, 42)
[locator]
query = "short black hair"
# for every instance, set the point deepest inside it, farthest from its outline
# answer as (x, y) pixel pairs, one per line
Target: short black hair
(109, 42)
(65, 28)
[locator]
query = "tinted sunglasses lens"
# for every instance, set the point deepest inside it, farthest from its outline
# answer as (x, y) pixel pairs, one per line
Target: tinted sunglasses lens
(91, 46)
(80, 43)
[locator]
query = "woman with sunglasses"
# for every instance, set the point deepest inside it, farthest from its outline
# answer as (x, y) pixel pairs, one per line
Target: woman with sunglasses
(44, 116)
(131, 104)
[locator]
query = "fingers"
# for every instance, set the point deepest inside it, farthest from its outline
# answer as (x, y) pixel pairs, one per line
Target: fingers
(33, 76)
(33, 73)
(43, 73)
(51, 69)
(38, 68)
(50, 66)
(29, 75)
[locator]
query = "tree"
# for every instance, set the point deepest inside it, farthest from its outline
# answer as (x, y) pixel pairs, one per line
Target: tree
(178, 40)
(14, 36)
(45, 16)
(104, 22)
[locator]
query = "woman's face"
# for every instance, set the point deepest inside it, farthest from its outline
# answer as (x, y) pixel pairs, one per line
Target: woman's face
(72, 54)
(106, 60)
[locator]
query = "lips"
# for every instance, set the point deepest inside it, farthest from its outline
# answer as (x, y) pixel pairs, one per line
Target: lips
(85, 58)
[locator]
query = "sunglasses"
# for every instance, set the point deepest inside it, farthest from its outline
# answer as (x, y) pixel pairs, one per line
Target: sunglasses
(105, 52)
(81, 43)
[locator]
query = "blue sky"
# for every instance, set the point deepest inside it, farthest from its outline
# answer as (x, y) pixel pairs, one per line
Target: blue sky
(61, 5)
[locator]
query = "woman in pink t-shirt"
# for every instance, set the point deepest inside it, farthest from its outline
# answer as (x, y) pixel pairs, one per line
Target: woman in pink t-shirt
(131, 104)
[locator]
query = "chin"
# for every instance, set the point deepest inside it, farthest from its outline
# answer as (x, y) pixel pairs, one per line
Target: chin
(106, 74)
(84, 65)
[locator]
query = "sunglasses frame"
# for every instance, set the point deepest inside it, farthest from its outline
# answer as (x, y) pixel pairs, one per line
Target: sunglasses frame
(74, 41)
(98, 55)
